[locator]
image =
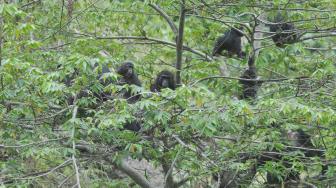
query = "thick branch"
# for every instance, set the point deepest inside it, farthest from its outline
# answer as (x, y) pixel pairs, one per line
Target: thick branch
(123, 166)
(136, 177)
(179, 43)
(74, 114)
(166, 17)
(1, 78)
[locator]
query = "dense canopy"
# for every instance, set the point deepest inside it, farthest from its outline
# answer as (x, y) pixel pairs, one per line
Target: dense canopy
(260, 116)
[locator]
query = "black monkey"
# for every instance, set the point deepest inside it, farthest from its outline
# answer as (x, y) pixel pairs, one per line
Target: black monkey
(283, 33)
(165, 79)
(134, 126)
(303, 140)
(298, 139)
(126, 70)
(99, 95)
(105, 69)
(250, 88)
(276, 156)
(231, 42)
(103, 96)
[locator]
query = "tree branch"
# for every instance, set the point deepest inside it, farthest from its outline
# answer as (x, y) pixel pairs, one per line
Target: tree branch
(187, 48)
(179, 43)
(30, 3)
(123, 166)
(36, 174)
(243, 79)
(136, 177)
(1, 77)
(166, 17)
(74, 114)
(317, 36)
(33, 143)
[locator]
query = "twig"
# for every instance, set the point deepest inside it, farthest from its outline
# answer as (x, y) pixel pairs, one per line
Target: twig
(65, 180)
(172, 165)
(165, 16)
(67, 23)
(60, 24)
(38, 174)
(30, 3)
(33, 143)
(187, 48)
(74, 114)
(1, 77)
(192, 149)
(252, 80)
(181, 182)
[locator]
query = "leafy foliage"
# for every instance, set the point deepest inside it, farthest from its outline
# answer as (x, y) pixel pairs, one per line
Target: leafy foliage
(51, 51)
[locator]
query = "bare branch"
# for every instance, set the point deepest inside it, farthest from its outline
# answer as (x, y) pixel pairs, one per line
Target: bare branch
(193, 149)
(1, 36)
(166, 17)
(172, 166)
(179, 43)
(30, 3)
(187, 48)
(243, 79)
(136, 177)
(182, 182)
(65, 180)
(74, 114)
(36, 174)
(33, 143)
(317, 36)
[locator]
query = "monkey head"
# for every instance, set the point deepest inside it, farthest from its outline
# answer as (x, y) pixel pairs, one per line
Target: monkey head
(165, 79)
(126, 69)
(238, 31)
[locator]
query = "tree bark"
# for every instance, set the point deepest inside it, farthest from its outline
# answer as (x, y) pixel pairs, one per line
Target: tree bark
(179, 43)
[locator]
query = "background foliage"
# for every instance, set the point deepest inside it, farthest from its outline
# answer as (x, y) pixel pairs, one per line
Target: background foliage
(194, 132)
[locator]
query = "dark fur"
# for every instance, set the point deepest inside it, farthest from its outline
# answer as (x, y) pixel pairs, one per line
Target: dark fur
(126, 70)
(100, 96)
(250, 88)
(106, 82)
(298, 139)
(164, 77)
(134, 126)
(275, 156)
(103, 96)
(302, 139)
(279, 38)
(231, 42)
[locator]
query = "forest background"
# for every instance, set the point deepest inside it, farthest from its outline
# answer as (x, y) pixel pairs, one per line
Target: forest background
(189, 136)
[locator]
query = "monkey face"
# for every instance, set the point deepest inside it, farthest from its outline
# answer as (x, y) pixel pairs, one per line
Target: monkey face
(126, 69)
(165, 79)
(129, 72)
(164, 82)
